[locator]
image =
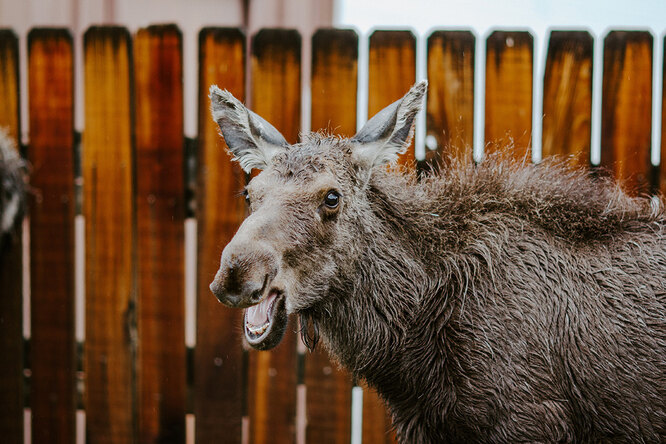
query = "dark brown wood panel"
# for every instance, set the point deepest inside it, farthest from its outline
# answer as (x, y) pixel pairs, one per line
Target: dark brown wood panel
(158, 80)
(391, 72)
(51, 111)
(450, 105)
(276, 96)
(218, 370)
(11, 262)
(508, 113)
(334, 84)
(626, 114)
(108, 207)
(567, 97)
(377, 425)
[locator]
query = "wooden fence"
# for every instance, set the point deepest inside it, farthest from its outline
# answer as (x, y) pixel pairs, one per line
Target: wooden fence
(128, 177)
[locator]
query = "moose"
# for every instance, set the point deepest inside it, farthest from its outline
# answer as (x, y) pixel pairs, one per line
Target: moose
(490, 302)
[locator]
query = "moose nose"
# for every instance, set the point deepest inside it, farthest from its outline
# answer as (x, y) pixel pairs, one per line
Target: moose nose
(243, 278)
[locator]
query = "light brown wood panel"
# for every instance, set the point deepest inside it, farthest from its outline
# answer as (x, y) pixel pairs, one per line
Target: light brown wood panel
(662, 166)
(626, 114)
(218, 360)
(158, 74)
(276, 96)
(51, 111)
(108, 206)
(334, 85)
(11, 262)
(391, 72)
(567, 97)
(450, 104)
(508, 113)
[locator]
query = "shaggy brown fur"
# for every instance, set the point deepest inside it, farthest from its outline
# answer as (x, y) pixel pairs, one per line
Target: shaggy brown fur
(12, 186)
(493, 303)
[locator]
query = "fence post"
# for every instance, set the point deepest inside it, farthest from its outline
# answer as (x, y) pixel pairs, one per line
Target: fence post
(450, 105)
(108, 207)
(508, 114)
(11, 262)
(567, 96)
(626, 114)
(158, 74)
(51, 153)
(219, 374)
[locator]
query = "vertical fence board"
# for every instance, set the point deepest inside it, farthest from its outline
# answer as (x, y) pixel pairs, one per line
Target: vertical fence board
(51, 110)
(626, 114)
(391, 72)
(662, 165)
(160, 234)
(276, 96)
(218, 369)
(218, 377)
(567, 97)
(11, 260)
(334, 85)
(508, 113)
(450, 105)
(108, 209)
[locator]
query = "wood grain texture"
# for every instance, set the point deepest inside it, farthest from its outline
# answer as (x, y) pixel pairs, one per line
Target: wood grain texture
(334, 84)
(11, 263)
(218, 370)
(108, 207)
(276, 96)
(508, 112)
(391, 72)
(377, 424)
(567, 97)
(626, 114)
(160, 195)
(51, 111)
(450, 104)
(662, 165)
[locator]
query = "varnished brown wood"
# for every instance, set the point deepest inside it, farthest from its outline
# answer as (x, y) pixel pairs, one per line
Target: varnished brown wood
(11, 263)
(158, 74)
(108, 207)
(276, 96)
(51, 111)
(450, 104)
(218, 369)
(508, 112)
(334, 85)
(662, 166)
(567, 97)
(391, 72)
(626, 114)
(377, 426)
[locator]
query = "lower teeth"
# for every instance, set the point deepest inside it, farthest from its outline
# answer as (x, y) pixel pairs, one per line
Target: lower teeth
(258, 331)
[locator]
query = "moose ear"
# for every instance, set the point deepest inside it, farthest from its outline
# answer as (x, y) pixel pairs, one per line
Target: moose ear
(390, 131)
(252, 140)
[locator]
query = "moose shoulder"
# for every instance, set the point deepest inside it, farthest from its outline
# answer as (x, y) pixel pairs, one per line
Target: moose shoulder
(491, 303)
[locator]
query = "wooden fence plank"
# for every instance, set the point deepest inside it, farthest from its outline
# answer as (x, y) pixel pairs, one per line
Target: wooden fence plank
(110, 252)
(508, 113)
(391, 72)
(334, 85)
(51, 110)
(158, 74)
(276, 96)
(218, 369)
(567, 97)
(450, 104)
(11, 261)
(626, 114)
(662, 165)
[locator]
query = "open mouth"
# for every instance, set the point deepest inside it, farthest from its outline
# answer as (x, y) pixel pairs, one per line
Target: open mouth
(266, 322)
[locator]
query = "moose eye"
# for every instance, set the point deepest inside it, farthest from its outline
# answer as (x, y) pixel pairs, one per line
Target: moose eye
(332, 199)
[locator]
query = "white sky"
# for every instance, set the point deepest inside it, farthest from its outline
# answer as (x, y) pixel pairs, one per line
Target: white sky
(537, 16)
